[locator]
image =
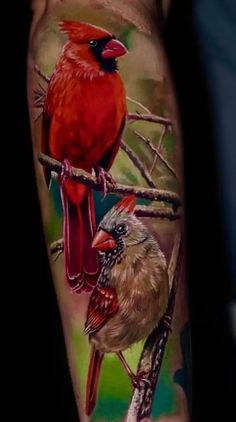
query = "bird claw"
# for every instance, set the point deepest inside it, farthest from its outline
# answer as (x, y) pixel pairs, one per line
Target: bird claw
(66, 172)
(105, 178)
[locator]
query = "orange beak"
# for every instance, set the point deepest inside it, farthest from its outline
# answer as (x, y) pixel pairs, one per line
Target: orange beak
(114, 49)
(103, 241)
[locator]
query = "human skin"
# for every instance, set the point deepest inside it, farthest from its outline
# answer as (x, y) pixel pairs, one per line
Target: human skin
(143, 376)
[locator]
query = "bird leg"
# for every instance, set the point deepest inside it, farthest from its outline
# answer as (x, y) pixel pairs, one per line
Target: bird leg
(66, 172)
(104, 178)
(135, 379)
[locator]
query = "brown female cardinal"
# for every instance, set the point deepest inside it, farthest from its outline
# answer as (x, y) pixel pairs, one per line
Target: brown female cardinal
(83, 120)
(132, 291)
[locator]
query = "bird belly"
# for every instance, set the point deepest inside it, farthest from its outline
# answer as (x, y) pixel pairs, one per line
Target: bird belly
(142, 299)
(86, 122)
(123, 330)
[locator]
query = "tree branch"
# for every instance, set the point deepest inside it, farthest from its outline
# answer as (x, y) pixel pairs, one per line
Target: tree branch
(153, 351)
(161, 139)
(57, 247)
(156, 152)
(159, 148)
(132, 117)
(138, 163)
(79, 175)
(152, 212)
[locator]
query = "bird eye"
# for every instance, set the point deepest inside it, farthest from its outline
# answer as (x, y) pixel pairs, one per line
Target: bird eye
(93, 43)
(121, 228)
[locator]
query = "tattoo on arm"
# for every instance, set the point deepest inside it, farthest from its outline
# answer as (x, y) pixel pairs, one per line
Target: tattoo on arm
(107, 155)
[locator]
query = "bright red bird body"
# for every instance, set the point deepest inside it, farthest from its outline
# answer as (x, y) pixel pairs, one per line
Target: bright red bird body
(84, 117)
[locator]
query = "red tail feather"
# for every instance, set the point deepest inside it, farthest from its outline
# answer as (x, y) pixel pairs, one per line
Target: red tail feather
(81, 261)
(96, 359)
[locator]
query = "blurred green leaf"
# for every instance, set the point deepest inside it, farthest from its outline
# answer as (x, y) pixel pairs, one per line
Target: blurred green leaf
(126, 36)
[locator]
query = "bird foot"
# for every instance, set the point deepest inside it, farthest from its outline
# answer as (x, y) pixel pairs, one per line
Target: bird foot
(66, 172)
(138, 380)
(104, 178)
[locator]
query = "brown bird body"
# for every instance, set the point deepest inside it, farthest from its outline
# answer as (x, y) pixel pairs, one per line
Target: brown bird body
(141, 285)
(132, 292)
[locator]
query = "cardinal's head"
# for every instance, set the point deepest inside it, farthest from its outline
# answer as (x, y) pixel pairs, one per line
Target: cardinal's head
(91, 47)
(121, 231)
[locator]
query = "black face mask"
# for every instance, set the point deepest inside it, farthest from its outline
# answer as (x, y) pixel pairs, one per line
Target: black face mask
(97, 46)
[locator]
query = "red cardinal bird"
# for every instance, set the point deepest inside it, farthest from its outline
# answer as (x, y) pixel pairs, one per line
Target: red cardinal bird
(83, 120)
(131, 295)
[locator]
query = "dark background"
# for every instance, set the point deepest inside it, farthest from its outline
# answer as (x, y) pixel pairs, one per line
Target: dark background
(38, 384)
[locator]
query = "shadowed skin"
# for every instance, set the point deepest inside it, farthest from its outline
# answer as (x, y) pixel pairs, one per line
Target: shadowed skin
(132, 292)
(83, 120)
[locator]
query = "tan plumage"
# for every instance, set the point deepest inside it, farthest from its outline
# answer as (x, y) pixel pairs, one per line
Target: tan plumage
(132, 292)
(141, 284)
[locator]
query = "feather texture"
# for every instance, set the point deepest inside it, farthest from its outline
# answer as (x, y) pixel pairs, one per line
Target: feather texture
(83, 119)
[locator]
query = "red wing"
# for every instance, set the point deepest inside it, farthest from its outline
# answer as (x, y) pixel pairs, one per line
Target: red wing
(102, 306)
(107, 161)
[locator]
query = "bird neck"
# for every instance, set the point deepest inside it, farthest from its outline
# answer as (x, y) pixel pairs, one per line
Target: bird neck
(109, 260)
(136, 251)
(120, 257)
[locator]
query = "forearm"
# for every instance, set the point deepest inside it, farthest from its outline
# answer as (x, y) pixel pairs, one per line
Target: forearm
(88, 115)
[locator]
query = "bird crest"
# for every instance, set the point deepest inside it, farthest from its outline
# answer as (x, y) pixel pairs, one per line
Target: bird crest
(126, 205)
(82, 32)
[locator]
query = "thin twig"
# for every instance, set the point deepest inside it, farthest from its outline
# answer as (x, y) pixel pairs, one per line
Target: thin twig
(38, 116)
(138, 163)
(161, 139)
(159, 149)
(40, 73)
(79, 175)
(152, 212)
(156, 152)
(39, 96)
(139, 104)
(153, 351)
(160, 145)
(154, 164)
(132, 117)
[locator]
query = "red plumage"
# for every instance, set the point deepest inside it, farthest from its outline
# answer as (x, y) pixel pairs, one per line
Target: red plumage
(102, 306)
(95, 364)
(83, 120)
